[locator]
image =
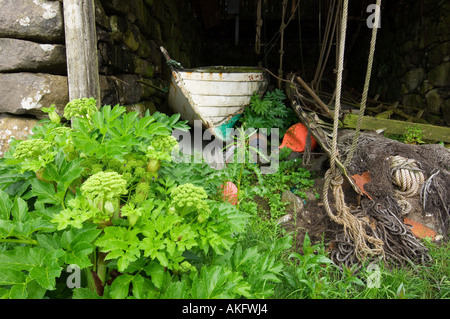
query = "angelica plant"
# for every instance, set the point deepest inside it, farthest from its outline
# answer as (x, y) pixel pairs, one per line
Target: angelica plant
(188, 198)
(53, 116)
(34, 155)
(97, 204)
(83, 107)
(159, 150)
(104, 190)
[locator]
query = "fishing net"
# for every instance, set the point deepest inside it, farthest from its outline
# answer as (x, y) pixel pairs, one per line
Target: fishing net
(405, 180)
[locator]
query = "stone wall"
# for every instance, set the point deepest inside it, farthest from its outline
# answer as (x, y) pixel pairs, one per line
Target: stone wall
(33, 71)
(412, 63)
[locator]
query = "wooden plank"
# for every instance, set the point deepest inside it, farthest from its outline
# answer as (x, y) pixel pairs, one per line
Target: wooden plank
(81, 49)
(430, 132)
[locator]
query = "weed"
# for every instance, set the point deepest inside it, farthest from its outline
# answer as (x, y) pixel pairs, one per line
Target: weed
(268, 112)
(413, 135)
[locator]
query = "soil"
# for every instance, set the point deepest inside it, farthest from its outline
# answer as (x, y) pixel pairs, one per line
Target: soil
(312, 219)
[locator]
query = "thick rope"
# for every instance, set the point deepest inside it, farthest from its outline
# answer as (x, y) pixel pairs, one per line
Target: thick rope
(407, 175)
(353, 227)
(362, 108)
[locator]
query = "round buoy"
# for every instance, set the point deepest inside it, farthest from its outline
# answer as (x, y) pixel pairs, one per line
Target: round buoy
(295, 138)
(229, 192)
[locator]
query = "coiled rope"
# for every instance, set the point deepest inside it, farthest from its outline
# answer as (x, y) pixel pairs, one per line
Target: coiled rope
(408, 177)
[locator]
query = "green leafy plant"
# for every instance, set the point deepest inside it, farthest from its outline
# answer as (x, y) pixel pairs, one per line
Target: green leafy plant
(309, 276)
(53, 116)
(268, 112)
(289, 176)
(90, 196)
(413, 135)
(84, 107)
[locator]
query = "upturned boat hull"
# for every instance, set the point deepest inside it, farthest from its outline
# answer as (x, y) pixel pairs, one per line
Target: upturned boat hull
(217, 95)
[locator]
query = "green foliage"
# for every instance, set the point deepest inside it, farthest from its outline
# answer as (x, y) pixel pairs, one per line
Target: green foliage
(309, 276)
(413, 135)
(97, 204)
(289, 176)
(81, 108)
(268, 112)
(89, 197)
(53, 116)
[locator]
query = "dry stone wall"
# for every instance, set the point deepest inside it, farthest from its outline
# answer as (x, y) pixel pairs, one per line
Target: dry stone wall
(33, 70)
(412, 60)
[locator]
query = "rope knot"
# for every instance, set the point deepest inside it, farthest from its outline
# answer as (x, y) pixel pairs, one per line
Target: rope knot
(337, 180)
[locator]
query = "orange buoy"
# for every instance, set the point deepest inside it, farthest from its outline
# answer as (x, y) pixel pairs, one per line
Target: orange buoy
(295, 138)
(229, 193)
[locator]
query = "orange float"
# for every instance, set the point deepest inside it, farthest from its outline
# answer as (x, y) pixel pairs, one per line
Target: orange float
(295, 138)
(229, 192)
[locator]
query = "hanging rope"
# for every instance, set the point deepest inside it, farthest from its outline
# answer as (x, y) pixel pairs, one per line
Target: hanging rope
(365, 245)
(362, 108)
(259, 23)
(332, 19)
(282, 27)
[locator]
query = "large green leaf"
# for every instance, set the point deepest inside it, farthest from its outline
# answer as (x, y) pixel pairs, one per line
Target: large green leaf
(216, 282)
(121, 244)
(121, 286)
(19, 210)
(85, 293)
(157, 273)
(46, 192)
(40, 264)
(176, 290)
(5, 205)
(63, 172)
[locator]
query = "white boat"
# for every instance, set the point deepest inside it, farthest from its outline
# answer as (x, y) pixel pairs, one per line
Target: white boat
(215, 95)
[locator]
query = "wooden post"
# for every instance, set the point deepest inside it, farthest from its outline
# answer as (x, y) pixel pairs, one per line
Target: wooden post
(81, 49)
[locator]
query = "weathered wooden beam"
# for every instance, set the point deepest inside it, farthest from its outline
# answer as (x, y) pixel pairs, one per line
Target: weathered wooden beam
(81, 49)
(430, 132)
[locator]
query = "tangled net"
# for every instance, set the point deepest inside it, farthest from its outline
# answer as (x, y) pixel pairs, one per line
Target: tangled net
(404, 174)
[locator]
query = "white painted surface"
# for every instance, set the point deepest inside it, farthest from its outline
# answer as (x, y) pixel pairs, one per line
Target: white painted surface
(213, 97)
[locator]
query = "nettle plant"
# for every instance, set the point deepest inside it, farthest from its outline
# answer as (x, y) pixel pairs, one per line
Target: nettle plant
(85, 212)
